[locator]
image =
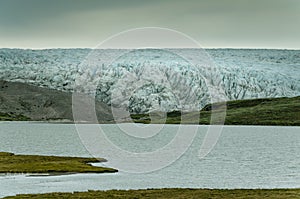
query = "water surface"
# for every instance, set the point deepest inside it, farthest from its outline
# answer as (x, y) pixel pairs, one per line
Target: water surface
(244, 157)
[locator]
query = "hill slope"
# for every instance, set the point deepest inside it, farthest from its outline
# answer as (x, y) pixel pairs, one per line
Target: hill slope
(19, 101)
(269, 111)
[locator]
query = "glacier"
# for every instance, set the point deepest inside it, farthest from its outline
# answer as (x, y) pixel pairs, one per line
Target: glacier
(146, 80)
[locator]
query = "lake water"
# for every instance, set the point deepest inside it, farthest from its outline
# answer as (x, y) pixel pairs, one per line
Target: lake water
(244, 157)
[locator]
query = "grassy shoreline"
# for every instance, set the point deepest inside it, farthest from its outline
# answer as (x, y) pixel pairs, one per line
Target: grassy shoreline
(174, 193)
(51, 165)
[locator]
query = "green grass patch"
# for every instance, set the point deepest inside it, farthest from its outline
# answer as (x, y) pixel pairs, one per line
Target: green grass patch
(11, 163)
(269, 111)
(176, 193)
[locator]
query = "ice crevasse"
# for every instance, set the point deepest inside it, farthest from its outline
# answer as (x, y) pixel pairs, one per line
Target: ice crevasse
(154, 79)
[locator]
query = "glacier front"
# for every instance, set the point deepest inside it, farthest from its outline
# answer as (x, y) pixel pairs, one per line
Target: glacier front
(144, 80)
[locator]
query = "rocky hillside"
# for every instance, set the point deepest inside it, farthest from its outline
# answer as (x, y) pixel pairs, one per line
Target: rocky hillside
(19, 101)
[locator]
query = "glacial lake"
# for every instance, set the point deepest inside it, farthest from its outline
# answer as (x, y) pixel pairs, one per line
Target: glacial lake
(244, 157)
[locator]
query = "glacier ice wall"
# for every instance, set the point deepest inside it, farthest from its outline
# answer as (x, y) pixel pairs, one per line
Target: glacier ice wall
(145, 80)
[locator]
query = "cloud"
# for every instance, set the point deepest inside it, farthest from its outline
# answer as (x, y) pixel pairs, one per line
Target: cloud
(83, 23)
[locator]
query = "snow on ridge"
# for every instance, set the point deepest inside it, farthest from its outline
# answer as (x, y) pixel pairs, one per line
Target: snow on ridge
(166, 79)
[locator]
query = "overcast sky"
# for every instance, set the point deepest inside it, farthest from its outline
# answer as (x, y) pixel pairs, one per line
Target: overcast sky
(213, 23)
